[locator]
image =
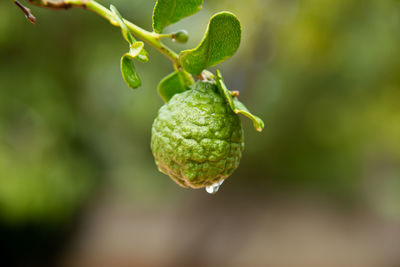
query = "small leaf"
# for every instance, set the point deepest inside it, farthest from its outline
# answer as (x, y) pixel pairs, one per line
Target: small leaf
(175, 83)
(241, 108)
(136, 48)
(220, 42)
(143, 55)
(137, 51)
(235, 104)
(129, 73)
(223, 90)
(124, 29)
(167, 12)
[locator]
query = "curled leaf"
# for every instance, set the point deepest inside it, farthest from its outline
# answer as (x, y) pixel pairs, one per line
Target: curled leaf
(175, 83)
(167, 12)
(136, 48)
(220, 42)
(137, 51)
(235, 104)
(128, 70)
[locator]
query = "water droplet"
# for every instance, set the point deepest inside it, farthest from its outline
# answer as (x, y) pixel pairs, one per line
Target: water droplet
(212, 189)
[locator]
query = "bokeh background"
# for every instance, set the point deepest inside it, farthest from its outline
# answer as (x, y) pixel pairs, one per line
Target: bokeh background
(320, 186)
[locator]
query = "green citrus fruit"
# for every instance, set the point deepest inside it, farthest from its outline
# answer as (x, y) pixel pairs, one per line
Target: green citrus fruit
(196, 138)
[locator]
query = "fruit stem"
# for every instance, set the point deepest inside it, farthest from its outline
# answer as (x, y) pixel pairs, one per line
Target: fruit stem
(151, 38)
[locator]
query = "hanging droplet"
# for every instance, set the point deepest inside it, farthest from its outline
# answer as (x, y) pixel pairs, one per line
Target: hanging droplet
(212, 189)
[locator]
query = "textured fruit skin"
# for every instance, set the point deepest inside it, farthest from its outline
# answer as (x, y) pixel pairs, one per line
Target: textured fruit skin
(196, 138)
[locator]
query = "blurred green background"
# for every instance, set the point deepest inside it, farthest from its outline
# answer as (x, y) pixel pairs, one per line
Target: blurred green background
(324, 75)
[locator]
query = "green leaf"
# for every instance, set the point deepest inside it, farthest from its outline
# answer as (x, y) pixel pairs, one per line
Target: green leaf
(235, 104)
(124, 29)
(143, 55)
(136, 48)
(175, 83)
(129, 73)
(137, 51)
(220, 42)
(167, 12)
(241, 108)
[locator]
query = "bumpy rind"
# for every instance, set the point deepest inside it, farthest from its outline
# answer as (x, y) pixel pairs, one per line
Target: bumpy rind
(196, 138)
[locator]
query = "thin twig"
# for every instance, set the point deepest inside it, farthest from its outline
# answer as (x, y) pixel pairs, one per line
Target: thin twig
(27, 12)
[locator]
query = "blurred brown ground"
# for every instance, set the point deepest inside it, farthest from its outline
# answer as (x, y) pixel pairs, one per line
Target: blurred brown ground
(233, 231)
